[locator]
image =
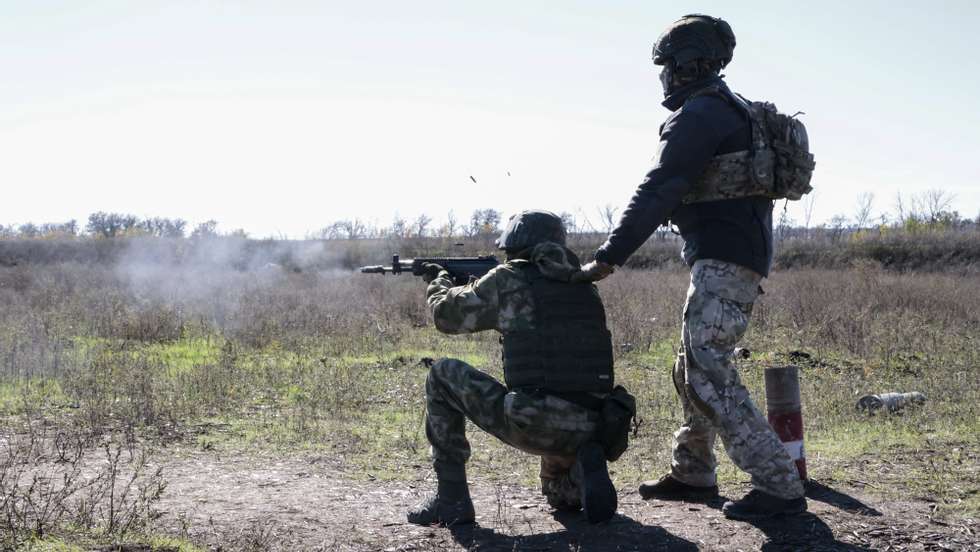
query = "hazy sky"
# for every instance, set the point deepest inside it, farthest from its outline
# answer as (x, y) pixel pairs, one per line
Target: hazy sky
(280, 117)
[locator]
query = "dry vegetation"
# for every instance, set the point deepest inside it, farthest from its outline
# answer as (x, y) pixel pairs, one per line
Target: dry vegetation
(167, 344)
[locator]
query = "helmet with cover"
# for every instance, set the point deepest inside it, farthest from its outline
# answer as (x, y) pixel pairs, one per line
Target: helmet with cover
(529, 228)
(693, 37)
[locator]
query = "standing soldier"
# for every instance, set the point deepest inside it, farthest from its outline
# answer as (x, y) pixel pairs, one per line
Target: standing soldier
(705, 180)
(559, 401)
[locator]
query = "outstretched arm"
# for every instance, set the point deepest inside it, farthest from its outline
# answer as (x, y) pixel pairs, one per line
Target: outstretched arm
(688, 141)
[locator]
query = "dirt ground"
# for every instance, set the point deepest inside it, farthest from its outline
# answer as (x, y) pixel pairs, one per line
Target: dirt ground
(307, 503)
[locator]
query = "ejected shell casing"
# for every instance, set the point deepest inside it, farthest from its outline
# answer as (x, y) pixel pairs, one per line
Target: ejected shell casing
(785, 411)
(892, 402)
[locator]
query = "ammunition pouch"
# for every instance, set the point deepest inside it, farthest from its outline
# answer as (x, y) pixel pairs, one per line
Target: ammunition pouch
(616, 420)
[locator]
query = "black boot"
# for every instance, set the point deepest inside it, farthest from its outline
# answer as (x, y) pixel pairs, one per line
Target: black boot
(669, 488)
(451, 505)
(759, 505)
(598, 494)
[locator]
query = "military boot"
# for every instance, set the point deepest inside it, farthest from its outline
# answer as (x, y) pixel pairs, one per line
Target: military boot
(760, 505)
(451, 505)
(669, 488)
(598, 494)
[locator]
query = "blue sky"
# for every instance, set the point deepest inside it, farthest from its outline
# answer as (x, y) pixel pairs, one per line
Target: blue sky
(280, 117)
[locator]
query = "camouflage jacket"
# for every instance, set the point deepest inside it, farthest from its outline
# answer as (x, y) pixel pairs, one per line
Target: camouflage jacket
(501, 300)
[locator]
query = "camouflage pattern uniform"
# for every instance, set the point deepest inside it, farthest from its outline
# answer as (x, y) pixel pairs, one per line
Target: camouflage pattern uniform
(538, 424)
(716, 315)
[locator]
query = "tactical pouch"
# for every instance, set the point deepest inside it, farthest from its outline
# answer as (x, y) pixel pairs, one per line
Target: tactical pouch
(618, 411)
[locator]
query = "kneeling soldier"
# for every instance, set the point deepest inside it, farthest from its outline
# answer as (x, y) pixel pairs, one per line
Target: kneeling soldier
(558, 401)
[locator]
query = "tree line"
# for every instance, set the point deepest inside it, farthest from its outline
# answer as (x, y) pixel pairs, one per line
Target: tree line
(929, 210)
(113, 225)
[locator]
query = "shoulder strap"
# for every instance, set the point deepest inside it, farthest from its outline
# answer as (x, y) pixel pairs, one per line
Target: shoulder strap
(755, 116)
(744, 106)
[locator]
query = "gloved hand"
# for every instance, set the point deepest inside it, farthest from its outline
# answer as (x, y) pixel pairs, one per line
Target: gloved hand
(430, 271)
(593, 272)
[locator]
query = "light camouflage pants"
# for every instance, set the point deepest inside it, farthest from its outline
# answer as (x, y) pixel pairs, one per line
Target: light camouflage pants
(542, 425)
(716, 315)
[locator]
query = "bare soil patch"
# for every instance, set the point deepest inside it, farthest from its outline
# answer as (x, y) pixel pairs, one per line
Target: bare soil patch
(308, 503)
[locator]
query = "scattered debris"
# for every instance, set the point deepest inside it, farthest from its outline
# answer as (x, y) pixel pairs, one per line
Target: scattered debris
(742, 352)
(799, 355)
(893, 402)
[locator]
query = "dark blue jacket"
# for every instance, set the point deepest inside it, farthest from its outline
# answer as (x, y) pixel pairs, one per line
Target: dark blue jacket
(733, 230)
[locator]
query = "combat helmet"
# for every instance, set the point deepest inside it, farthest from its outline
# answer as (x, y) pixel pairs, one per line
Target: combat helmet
(695, 36)
(529, 228)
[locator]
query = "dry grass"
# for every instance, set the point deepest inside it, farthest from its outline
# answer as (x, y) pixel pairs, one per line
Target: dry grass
(322, 359)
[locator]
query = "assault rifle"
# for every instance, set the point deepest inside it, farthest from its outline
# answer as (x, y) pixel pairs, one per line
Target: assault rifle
(461, 269)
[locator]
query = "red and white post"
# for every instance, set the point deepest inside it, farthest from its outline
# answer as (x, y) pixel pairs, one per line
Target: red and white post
(784, 407)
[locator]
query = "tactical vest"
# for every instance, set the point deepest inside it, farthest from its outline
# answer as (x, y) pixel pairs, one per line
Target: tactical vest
(570, 349)
(778, 164)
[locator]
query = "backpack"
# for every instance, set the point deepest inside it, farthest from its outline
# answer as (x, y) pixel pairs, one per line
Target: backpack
(778, 164)
(786, 136)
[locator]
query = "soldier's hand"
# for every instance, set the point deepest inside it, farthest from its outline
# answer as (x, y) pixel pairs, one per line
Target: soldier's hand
(430, 271)
(593, 272)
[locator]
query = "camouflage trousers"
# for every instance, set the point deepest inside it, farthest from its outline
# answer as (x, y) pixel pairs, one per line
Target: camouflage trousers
(716, 315)
(538, 424)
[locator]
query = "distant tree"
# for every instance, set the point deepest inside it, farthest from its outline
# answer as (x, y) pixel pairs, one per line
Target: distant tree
(398, 228)
(59, 229)
(346, 230)
(585, 225)
(808, 203)
(784, 225)
(863, 209)
(206, 229)
(110, 225)
(837, 225)
(484, 222)
(164, 227)
(7, 231)
(329, 232)
(420, 226)
(607, 217)
(354, 229)
(930, 209)
(901, 211)
(936, 203)
(28, 230)
(449, 229)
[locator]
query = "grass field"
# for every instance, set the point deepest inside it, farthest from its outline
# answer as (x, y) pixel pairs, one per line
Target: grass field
(103, 365)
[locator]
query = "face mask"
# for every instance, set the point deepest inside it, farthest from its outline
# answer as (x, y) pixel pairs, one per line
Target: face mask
(666, 76)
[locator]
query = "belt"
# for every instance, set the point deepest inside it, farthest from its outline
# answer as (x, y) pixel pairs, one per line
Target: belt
(586, 400)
